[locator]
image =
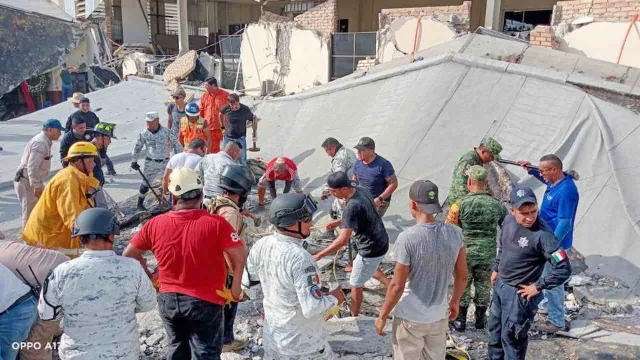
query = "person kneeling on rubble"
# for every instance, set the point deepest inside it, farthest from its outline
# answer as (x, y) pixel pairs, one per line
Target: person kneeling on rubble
(97, 295)
(68, 193)
(278, 169)
(190, 245)
(235, 182)
(294, 305)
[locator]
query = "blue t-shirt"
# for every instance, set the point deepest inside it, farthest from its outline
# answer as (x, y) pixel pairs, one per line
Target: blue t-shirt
(373, 176)
(559, 207)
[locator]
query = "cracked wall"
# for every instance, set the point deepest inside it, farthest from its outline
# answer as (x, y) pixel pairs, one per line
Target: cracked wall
(294, 59)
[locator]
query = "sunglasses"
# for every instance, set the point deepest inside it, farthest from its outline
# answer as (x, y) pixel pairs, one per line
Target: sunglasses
(176, 97)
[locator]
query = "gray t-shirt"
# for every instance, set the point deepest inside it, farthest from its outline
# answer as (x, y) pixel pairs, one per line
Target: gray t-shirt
(176, 115)
(431, 251)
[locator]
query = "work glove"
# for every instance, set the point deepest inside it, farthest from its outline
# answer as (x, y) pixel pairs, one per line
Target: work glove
(135, 166)
(226, 294)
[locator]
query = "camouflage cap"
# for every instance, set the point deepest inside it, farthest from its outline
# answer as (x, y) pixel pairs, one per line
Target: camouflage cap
(493, 146)
(477, 173)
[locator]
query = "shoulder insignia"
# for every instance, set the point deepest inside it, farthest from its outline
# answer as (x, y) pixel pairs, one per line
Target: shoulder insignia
(315, 292)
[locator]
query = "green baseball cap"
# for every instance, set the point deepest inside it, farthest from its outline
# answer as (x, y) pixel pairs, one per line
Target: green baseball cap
(477, 173)
(493, 146)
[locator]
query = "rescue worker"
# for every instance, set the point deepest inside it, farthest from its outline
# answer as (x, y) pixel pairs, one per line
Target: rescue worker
(278, 169)
(68, 193)
(211, 166)
(17, 313)
(488, 151)
(34, 167)
(189, 158)
(426, 256)
(183, 240)
(211, 104)
(294, 305)
(78, 133)
(236, 182)
(375, 174)
(342, 159)
(361, 219)
(558, 210)
(194, 127)
(84, 112)
(102, 135)
(97, 295)
(157, 141)
(234, 118)
(478, 214)
(31, 265)
(526, 245)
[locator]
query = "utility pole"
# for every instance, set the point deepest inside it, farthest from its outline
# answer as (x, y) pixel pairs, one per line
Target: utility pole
(183, 27)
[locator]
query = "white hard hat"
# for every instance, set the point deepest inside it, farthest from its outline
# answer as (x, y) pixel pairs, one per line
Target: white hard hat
(183, 180)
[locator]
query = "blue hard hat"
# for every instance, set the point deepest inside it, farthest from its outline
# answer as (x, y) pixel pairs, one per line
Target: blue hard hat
(192, 109)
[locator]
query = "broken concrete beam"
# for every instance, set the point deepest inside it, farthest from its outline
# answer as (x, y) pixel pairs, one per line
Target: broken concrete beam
(579, 328)
(325, 262)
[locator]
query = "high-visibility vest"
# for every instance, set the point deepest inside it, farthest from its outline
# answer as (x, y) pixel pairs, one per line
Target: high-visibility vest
(190, 132)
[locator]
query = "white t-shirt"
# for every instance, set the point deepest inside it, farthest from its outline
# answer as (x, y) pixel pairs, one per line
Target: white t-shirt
(184, 159)
(11, 288)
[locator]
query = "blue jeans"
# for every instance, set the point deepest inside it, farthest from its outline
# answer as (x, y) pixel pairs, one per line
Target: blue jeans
(14, 327)
(67, 91)
(109, 164)
(194, 327)
(243, 152)
(553, 301)
(509, 321)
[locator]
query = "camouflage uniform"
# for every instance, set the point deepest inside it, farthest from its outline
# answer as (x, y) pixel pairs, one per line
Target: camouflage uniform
(294, 305)
(459, 181)
(158, 147)
(478, 214)
(97, 295)
(343, 160)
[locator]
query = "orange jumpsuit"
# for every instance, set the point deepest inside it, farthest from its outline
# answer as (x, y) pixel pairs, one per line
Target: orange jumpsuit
(210, 105)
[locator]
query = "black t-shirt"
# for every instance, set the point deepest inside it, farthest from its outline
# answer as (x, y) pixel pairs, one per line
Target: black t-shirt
(523, 253)
(361, 216)
(90, 118)
(69, 138)
(237, 120)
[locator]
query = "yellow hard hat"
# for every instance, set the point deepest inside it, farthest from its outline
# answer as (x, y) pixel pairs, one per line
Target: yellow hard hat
(81, 149)
(183, 180)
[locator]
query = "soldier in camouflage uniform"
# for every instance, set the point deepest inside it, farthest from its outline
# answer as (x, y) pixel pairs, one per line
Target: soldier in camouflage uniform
(488, 151)
(158, 142)
(342, 159)
(478, 214)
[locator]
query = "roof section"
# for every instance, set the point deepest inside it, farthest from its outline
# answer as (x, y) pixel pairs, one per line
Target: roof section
(565, 67)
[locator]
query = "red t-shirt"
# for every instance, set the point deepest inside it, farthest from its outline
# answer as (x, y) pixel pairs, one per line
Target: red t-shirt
(189, 245)
(289, 175)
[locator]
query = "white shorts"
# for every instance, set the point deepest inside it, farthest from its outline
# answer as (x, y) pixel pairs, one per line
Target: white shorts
(363, 270)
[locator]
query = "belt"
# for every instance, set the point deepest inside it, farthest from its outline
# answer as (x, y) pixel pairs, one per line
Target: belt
(20, 300)
(156, 160)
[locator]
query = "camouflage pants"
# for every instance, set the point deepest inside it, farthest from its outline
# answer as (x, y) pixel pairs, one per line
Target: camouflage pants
(480, 276)
(151, 171)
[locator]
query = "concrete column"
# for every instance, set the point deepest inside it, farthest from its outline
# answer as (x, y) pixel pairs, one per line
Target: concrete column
(492, 15)
(183, 27)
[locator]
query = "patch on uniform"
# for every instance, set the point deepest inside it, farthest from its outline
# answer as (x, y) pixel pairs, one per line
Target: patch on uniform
(559, 256)
(315, 292)
(313, 279)
(523, 242)
(310, 270)
(520, 193)
(235, 237)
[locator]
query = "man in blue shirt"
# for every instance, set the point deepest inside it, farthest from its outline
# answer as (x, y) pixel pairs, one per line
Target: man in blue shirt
(558, 211)
(374, 173)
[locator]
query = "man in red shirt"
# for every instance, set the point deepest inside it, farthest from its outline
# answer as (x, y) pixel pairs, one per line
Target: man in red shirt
(211, 103)
(190, 245)
(278, 169)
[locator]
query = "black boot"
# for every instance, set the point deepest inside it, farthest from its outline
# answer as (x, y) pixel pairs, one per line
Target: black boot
(481, 317)
(140, 205)
(460, 324)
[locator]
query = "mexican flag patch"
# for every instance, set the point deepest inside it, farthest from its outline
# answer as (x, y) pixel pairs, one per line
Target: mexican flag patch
(559, 256)
(313, 280)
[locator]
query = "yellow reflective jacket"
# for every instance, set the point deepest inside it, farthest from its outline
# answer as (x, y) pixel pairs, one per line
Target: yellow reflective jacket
(51, 222)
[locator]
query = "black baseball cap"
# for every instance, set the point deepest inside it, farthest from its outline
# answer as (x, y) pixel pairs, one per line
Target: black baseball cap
(425, 192)
(84, 100)
(365, 143)
(339, 179)
(521, 195)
